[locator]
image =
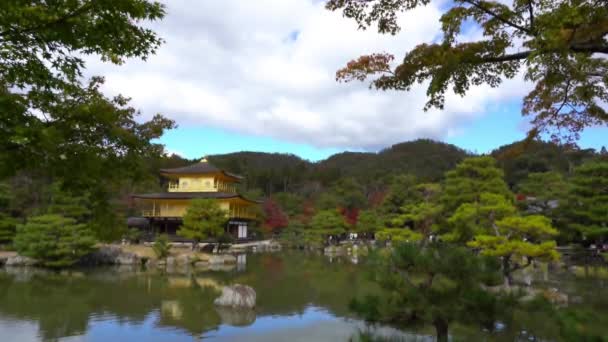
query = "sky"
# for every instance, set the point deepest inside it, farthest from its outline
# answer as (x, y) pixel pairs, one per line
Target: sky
(260, 76)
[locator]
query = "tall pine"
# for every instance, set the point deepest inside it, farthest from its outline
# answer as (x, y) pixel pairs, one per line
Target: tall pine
(587, 209)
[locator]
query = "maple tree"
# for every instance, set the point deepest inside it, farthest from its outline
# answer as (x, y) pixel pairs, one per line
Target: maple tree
(274, 217)
(558, 45)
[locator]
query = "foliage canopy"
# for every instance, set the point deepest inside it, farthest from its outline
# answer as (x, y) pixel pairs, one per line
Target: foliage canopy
(558, 45)
(54, 240)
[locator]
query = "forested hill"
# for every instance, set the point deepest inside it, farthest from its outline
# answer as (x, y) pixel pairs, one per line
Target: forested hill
(273, 172)
(426, 159)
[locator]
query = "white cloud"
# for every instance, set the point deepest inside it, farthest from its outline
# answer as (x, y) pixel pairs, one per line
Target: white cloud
(235, 65)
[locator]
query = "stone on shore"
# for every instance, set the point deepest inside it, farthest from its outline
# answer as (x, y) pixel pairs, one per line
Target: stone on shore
(237, 296)
(110, 255)
(19, 260)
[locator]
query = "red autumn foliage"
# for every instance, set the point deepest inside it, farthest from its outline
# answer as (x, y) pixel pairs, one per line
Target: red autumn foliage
(520, 197)
(275, 218)
(359, 69)
(350, 215)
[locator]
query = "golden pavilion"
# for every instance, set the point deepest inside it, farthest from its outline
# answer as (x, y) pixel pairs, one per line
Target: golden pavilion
(164, 210)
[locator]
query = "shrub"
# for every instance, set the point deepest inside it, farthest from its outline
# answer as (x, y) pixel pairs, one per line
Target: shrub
(161, 246)
(54, 240)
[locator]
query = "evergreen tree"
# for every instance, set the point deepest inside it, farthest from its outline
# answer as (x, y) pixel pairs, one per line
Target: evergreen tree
(418, 220)
(493, 226)
(327, 223)
(437, 285)
(543, 192)
(587, 210)
(368, 222)
(470, 179)
(161, 246)
(8, 224)
(401, 192)
(204, 219)
(54, 240)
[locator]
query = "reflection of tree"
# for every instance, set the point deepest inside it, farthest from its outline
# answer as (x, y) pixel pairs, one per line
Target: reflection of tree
(295, 281)
(63, 304)
(236, 317)
(285, 283)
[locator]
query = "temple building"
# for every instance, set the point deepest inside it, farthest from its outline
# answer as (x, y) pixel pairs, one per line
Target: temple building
(165, 210)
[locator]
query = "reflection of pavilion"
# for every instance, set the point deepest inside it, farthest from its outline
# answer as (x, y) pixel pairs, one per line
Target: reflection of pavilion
(171, 308)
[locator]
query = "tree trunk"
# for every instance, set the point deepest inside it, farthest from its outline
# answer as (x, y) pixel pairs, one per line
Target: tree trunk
(506, 270)
(441, 329)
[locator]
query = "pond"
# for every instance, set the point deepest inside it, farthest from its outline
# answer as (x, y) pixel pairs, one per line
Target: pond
(300, 297)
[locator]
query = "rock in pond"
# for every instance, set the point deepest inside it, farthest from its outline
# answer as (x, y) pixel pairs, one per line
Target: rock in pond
(237, 296)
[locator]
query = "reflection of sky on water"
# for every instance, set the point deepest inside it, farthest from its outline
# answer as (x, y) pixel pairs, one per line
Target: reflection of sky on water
(314, 324)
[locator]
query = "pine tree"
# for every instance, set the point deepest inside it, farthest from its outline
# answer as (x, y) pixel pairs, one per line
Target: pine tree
(418, 220)
(471, 178)
(54, 240)
(587, 210)
(204, 219)
(327, 223)
(368, 222)
(436, 285)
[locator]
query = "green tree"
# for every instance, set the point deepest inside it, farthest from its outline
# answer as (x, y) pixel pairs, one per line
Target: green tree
(437, 285)
(161, 246)
(327, 223)
(368, 222)
(290, 202)
(476, 217)
(558, 45)
(417, 220)
(294, 235)
(56, 126)
(349, 193)
(8, 224)
(68, 204)
(587, 209)
(543, 192)
(54, 240)
(203, 220)
(401, 191)
(546, 193)
(471, 178)
(493, 226)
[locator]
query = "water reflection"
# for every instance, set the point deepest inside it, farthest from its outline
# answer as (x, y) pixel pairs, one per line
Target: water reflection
(301, 297)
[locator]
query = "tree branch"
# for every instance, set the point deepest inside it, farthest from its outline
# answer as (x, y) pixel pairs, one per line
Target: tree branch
(518, 266)
(566, 90)
(581, 48)
(499, 17)
(78, 11)
(531, 11)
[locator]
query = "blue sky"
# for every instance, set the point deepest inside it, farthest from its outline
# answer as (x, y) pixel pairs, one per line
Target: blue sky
(238, 76)
(483, 134)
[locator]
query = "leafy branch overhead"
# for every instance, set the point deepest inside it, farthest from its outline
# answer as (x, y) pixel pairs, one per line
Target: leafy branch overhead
(559, 46)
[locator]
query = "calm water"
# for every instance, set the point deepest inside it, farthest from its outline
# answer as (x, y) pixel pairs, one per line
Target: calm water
(301, 297)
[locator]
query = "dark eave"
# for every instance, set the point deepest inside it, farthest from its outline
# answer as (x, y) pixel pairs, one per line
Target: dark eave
(191, 195)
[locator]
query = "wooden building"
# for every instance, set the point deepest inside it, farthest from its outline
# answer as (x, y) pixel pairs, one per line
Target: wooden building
(165, 210)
